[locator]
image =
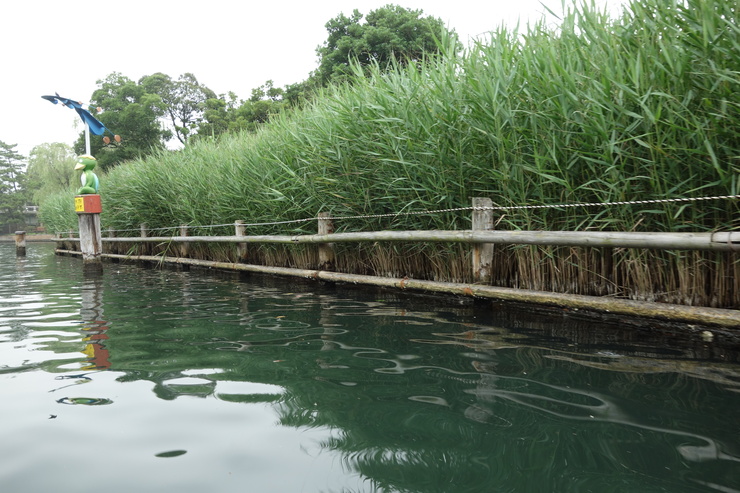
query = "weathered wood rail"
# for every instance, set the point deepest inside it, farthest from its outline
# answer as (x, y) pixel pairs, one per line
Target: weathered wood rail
(719, 241)
(482, 241)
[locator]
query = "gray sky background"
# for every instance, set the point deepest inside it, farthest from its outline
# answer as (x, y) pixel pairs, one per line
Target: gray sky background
(65, 47)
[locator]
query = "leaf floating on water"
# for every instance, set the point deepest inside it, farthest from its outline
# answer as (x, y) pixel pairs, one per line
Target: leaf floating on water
(171, 453)
(84, 401)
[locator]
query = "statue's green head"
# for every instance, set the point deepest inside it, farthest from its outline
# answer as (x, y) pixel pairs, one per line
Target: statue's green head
(86, 162)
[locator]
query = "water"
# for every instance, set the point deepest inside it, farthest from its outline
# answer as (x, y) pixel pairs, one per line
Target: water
(158, 380)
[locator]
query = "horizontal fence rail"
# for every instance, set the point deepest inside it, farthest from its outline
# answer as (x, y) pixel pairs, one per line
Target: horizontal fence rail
(717, 241)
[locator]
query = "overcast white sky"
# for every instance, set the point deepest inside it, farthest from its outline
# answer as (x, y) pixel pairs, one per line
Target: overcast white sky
(229, 45)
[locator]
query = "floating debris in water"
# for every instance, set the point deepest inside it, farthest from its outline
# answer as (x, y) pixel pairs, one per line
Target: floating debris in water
(610, 354)
(85, 401)
(82, 376)
(171, 453)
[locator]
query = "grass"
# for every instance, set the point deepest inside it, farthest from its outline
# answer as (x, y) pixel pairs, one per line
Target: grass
(639, 107)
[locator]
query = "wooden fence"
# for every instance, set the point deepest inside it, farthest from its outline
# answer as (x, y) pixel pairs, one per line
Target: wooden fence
(482, 238)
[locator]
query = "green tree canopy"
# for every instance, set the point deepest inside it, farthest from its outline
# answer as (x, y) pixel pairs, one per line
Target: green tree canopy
(50, 170)
(147, 114)
(388, 33)
(266, 101)
(130, 111)
(219, 116)
(227, 115)
(184, 101)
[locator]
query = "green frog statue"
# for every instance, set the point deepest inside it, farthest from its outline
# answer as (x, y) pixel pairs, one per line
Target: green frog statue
(89, 179)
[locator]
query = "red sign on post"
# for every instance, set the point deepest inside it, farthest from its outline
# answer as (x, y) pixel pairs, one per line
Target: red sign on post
(88, 204)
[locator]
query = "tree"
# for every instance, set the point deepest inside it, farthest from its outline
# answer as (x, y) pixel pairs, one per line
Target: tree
(131, 112)
(388, 33)
(219, 116)
(298, 94)
(222, 115)
(266, 101)
(12, 193)
(50, 170)
(267, 91)
(184, 101)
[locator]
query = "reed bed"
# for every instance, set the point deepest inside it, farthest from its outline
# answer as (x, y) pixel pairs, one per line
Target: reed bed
(599, 110)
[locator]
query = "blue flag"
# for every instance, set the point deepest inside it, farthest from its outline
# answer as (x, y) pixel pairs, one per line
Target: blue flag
(93, 123)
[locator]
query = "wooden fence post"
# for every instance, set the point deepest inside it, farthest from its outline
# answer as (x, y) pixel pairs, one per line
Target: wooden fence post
(326, 250)
(144, 232)
(66, 245)
(88, 208)
(482, 252)
(241, 248)
(111, 247)
(91, 242)
(73, 245)
(20, 243)
(184, 246)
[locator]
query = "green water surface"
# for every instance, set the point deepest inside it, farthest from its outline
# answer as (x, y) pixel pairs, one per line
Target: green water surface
(145, 380)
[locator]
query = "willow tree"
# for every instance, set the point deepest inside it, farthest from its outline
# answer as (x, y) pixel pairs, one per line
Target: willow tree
(51, 170)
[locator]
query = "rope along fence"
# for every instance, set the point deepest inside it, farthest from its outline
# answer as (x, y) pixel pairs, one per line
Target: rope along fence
(444, 211)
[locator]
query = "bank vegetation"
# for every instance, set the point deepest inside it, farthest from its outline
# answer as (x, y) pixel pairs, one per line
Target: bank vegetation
(614, 111)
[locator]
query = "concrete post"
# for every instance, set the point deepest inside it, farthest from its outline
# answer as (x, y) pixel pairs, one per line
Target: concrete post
(184, 246)
(241, 248)
(144, 232)
(482, 252)
(326, 250)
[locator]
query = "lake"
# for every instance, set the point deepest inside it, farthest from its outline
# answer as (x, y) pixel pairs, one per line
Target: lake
(144, 379)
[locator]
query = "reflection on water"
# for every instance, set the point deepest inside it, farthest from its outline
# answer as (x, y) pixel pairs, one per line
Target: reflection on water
(95, 327)
(85, 401)
(263, 384)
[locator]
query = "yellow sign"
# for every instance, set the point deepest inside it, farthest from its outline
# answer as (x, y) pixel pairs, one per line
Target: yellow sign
(79, 204)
